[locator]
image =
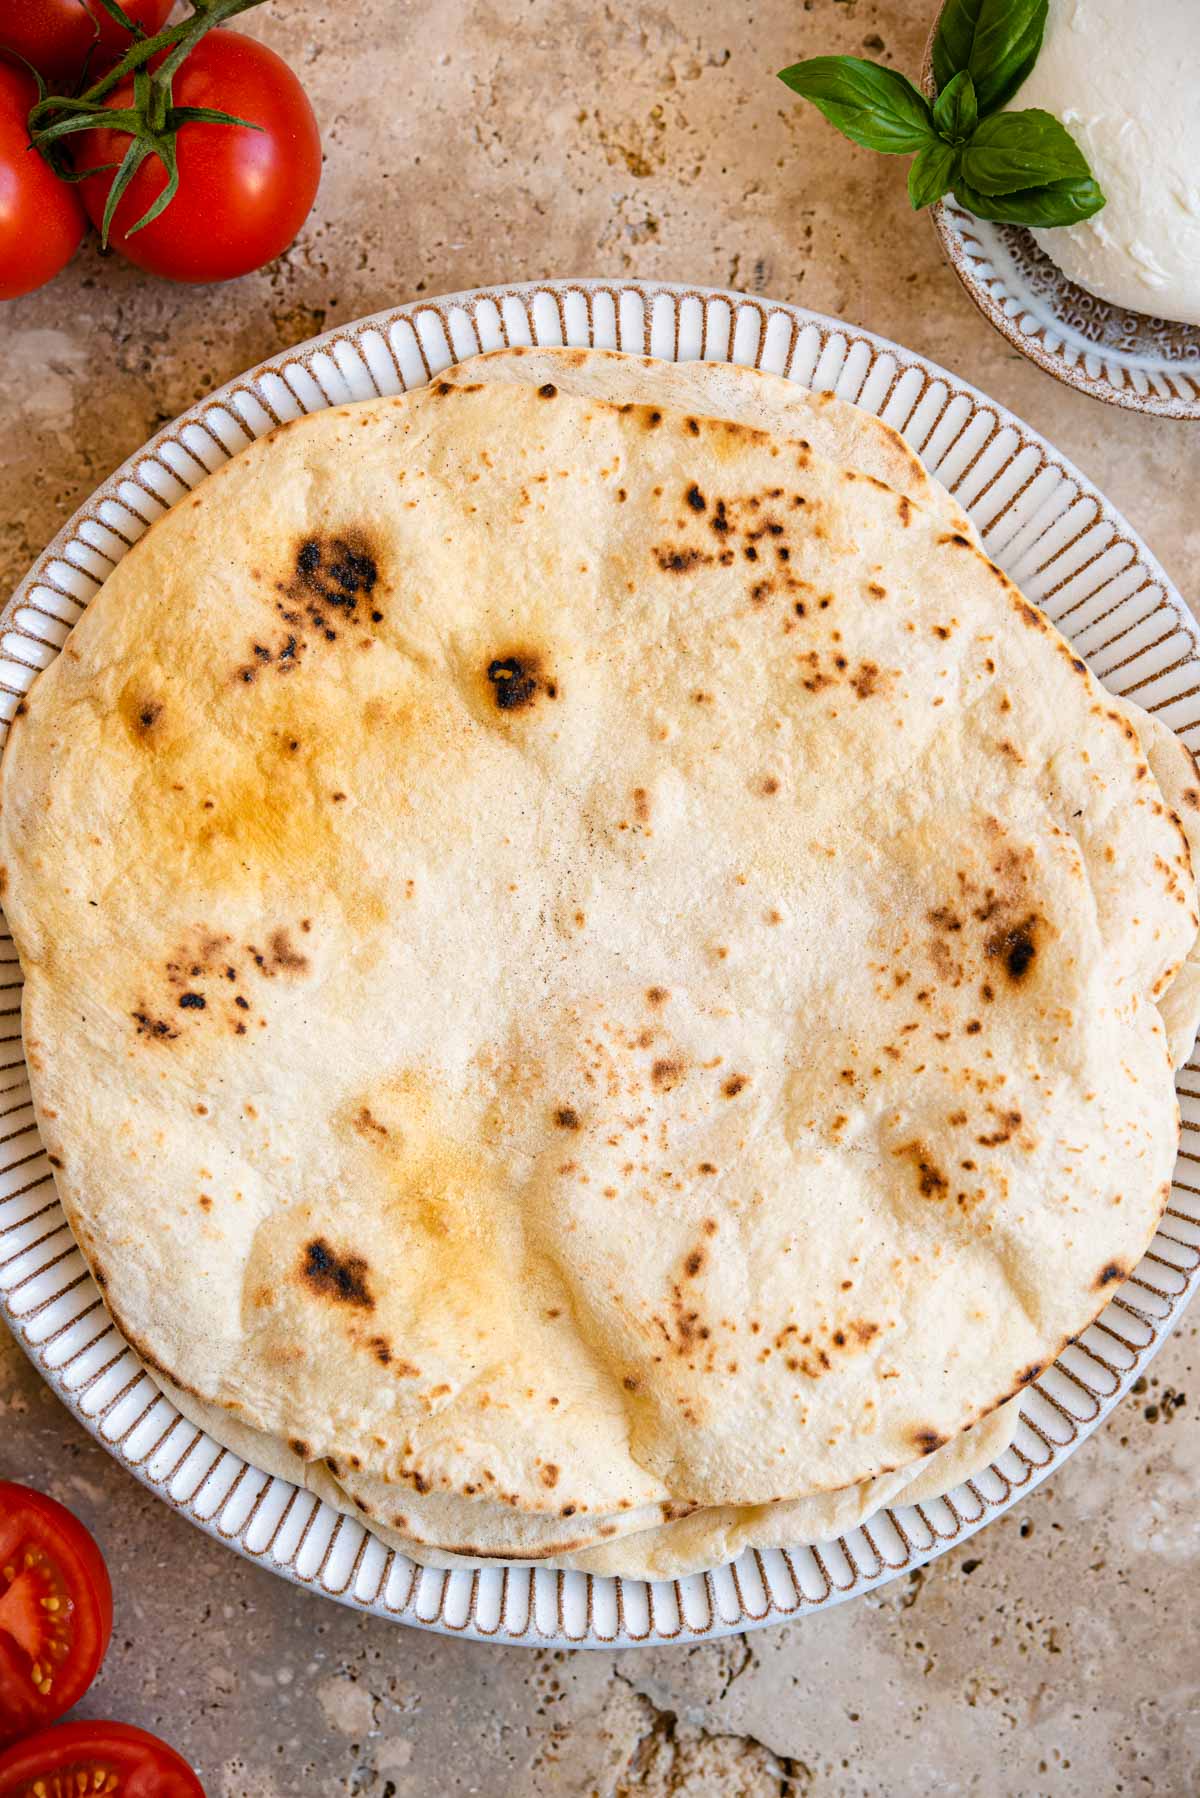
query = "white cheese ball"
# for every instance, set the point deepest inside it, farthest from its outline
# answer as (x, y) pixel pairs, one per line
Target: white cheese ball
(1124, 78)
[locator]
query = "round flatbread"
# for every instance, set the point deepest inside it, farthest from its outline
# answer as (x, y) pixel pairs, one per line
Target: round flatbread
(586, 957)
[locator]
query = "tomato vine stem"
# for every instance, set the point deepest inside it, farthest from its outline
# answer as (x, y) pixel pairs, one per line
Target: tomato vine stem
(153, 120)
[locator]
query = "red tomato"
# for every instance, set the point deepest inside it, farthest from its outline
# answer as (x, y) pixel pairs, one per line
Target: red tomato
(55, 1610)
(114, 1760)
(243, 194)
(41, 220)
(56, 35)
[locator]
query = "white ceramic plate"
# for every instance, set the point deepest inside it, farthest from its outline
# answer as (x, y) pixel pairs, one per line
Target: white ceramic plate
(1044, 524)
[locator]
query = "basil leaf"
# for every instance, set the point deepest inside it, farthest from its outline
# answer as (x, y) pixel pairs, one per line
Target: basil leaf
(955, 113)
(932, 174)
(952, 40)
(1057, 203)
(997, 41)
(1012, 150)
(873, 106)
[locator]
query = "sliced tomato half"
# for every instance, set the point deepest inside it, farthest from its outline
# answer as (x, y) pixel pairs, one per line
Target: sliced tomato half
(55, 1610)
(103, 1760)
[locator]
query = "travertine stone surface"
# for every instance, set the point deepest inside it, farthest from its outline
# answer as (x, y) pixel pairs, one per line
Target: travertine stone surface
(1058, 1652)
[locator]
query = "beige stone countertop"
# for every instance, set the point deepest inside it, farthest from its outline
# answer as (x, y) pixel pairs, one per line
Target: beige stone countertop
(1056, 1653)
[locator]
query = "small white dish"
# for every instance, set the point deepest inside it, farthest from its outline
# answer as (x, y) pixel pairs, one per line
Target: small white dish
(1123, 357)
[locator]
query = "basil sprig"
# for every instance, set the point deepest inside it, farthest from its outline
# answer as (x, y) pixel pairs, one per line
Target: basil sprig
(1023, 168)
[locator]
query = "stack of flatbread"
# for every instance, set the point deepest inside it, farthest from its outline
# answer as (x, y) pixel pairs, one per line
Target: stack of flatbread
(601, 987)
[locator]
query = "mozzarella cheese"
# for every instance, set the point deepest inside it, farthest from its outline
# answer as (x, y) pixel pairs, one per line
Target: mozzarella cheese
(1124, 79)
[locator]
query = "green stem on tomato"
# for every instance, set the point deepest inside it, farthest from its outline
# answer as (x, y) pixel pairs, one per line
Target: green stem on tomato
(153, 120)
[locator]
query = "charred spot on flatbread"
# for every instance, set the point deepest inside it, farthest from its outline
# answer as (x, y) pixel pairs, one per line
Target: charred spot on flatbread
(281, 956)
(666, 1072)
(332, 586)
(517, 679)
(338, 571)
(142, 713)
(1015, 948)
(680, 558)
(156, 1029)
(340, 1277)
(931, 1182)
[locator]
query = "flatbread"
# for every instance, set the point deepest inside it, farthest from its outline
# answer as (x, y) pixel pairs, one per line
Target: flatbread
(1174, 768)
(835, 429)
(842, 432)
(704, 1539)
(710, 1538)
(698, 933)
